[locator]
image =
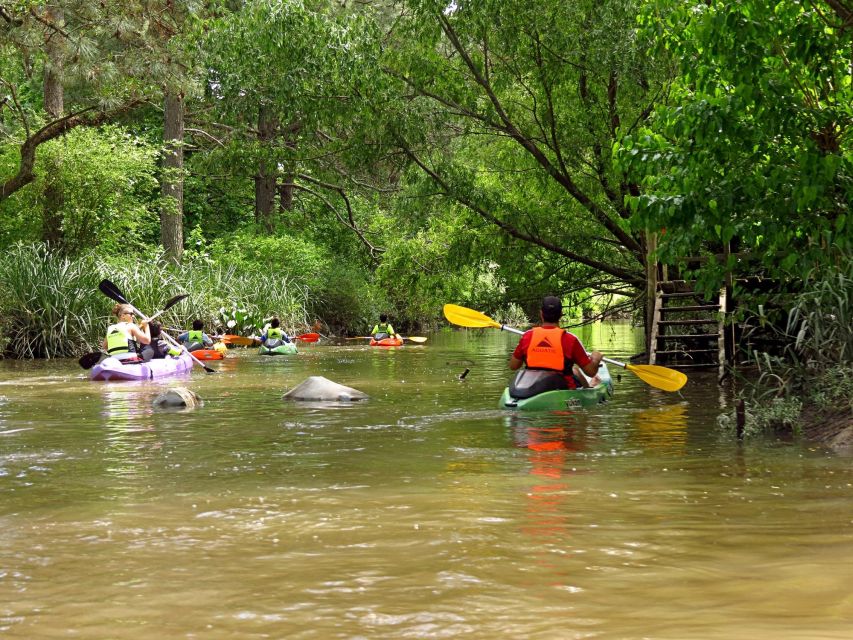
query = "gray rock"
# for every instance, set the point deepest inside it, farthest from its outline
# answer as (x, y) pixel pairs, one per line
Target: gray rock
(178, 398)
(318, 388)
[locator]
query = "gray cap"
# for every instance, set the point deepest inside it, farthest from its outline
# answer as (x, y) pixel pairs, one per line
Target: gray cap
(552, 303)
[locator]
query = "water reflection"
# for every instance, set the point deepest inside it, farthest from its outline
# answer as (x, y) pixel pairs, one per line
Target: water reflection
(663, 429)
(131, 439)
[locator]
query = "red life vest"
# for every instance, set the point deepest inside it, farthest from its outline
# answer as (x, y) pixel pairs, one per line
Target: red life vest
(546, 349)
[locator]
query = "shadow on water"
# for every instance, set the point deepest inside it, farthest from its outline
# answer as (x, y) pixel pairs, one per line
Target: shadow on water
(425, 512)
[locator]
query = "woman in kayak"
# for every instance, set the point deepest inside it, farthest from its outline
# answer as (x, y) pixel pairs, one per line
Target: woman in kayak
(274, 336)
(124, 339)
(549, 347)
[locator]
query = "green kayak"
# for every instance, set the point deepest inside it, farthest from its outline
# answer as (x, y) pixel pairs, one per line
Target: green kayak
(288, 348)
(558, 399)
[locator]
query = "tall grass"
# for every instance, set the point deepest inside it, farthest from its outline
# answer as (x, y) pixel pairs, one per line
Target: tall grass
(815, 368)
(50, 305)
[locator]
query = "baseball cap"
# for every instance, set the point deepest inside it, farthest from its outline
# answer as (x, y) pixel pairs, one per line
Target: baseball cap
(552, 303)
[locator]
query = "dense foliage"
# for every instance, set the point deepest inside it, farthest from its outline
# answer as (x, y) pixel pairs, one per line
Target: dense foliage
(339, 159)
(755, 149)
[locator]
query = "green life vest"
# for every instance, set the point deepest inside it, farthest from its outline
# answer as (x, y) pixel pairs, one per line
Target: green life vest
(117, 341)
(195, 336)
(383, 328)
(275, 333)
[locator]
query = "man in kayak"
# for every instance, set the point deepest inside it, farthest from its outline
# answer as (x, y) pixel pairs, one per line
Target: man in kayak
(124, 337)
(383, 329)
(273, 336)
(549, 347)
(196, 338)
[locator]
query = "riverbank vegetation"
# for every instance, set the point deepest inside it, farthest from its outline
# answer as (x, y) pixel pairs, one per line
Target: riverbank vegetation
(330, 161)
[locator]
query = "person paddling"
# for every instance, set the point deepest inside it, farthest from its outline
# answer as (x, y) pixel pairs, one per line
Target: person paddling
(383, 329)
(196, 338)
(273, 335)
(124, 337)
(551, 348)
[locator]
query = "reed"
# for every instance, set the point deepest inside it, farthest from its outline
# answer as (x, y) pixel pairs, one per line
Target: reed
(50, 305)
(814, 371)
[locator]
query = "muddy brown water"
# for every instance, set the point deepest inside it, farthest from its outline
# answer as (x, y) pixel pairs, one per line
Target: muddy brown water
(424, 513)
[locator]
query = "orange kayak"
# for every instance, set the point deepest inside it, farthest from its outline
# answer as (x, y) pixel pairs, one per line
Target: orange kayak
(208, 354)
(386, 342)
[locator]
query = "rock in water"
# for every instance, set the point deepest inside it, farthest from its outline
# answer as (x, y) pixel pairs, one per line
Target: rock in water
(318, 388)
(178, 398)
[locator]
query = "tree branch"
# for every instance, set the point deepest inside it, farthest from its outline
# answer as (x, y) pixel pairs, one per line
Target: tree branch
(25, 173)
(564, 179)
(350, 224)
(626, 276)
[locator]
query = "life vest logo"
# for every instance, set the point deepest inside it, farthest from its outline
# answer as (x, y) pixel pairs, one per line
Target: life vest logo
(544, 343)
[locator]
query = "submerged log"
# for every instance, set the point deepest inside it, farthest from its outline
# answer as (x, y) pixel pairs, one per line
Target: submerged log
(318, 388)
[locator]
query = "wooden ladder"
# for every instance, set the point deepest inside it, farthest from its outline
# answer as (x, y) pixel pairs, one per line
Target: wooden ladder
(687, 330)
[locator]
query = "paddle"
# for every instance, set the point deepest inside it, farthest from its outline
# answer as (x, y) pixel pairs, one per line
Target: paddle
(89, 360)
(416, 339)
(242, 341)
(307, 337)
(112, 291)
(655, 375)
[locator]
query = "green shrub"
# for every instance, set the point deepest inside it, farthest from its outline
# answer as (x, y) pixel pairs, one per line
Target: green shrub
(816, 368)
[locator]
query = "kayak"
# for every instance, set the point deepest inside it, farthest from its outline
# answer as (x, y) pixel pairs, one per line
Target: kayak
(561, 399)
(386, 342)
(114, 369)
(208, 354)
(288, 348)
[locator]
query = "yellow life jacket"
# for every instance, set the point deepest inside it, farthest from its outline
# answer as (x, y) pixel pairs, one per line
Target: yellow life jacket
(119, 341)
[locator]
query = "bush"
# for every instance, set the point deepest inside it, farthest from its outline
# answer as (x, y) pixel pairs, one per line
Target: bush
(815, 368)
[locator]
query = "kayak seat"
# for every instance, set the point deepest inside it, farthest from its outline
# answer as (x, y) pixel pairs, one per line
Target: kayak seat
(531, 382)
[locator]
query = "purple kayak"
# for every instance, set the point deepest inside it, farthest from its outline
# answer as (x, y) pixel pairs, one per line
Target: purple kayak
(113, 369)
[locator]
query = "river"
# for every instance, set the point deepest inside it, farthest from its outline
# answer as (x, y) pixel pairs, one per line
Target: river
(425, 512)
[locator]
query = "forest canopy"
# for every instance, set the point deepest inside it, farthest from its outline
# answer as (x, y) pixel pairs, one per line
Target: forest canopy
(393, 156)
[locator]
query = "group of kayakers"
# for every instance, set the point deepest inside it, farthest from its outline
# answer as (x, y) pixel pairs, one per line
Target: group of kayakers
(130, 342)
(545, 347)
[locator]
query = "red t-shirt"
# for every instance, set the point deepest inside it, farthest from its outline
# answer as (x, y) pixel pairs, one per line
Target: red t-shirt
(573, 350)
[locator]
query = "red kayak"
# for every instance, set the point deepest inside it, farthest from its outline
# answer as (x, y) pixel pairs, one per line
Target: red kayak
(386, 342)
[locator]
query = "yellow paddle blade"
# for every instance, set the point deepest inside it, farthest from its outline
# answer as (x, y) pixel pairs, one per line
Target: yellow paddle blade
(465, 317)
(657, 376)
(416, 339)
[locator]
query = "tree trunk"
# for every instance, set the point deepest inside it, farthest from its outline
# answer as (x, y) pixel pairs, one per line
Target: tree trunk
(285, 188)
(172, 181)
(54, 105)
(265, 181)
